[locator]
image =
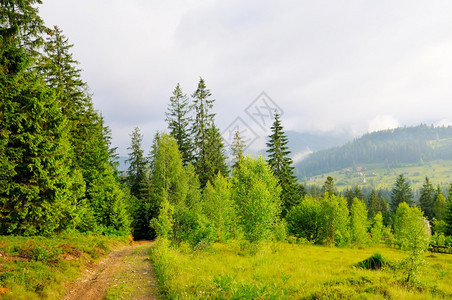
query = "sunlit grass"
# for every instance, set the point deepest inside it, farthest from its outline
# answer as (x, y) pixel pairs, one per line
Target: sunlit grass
(282, 270)
(40, 267)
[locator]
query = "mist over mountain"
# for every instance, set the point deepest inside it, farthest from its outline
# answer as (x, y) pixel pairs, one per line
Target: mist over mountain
(402, 145)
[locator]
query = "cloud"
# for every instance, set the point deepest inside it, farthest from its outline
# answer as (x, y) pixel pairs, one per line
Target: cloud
(330, 66)
(382, 123)
(443, 122)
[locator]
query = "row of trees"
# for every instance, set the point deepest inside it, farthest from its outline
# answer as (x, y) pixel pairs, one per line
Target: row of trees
(56, 165)
(203, 164)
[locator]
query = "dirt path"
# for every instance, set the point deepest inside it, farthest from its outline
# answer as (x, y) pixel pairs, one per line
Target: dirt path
(126, 273)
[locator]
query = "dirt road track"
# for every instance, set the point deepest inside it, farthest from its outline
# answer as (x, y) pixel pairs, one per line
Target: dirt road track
(128, 266)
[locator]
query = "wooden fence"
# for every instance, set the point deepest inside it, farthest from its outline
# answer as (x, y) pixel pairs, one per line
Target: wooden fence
(440, 249)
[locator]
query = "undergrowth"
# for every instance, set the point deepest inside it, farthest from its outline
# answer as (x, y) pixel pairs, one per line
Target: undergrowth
(39, 267)
(290, 271)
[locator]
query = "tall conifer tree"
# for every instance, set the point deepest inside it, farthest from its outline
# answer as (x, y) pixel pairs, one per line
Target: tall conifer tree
(178, 118)
(281, 165)
(401, 192)
(209, 158)
(34, 181)
(427, 198)
(237, 147)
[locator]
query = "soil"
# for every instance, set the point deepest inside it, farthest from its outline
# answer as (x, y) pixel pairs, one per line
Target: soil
(125, 269)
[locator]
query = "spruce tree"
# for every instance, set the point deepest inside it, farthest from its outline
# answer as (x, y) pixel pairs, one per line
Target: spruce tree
(237, 147)
(209, 158)
(427, 199)
(21, 21)
(351, 194)
(215, 156)
(281, 165)
(178, 118)
(139, 185)
(34, 147)
(136, 173)
(329, 187)
(401, 192)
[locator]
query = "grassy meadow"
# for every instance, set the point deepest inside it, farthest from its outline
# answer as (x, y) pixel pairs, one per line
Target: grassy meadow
(291, 271)
(380, 176)
(40, 267)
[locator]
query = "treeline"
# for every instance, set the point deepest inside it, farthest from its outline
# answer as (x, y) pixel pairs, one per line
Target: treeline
(57, 169)
(306, 220)
(395, 146)
(185, 188)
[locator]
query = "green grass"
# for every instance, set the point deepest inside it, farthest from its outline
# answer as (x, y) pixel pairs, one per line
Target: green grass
(40, 267)
(289, 271)
(381, 176)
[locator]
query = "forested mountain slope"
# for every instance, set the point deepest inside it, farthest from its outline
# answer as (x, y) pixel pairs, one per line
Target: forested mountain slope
(395, 146)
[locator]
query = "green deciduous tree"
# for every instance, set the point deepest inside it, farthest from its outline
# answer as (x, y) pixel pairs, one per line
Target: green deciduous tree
(358, 222)
(163, 223)
(168, 177)
(335, 220)
(410, 230)
(377, 228)
(305, 219)
(281, 165)
(219, 207)
(256, 193)
(440, 207)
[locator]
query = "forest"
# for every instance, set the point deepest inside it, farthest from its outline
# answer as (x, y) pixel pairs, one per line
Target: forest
(419, 144)
(59, 181)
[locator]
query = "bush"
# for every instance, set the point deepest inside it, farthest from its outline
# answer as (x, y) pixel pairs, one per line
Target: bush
(303, 221)
(375, 262)
(280, 231)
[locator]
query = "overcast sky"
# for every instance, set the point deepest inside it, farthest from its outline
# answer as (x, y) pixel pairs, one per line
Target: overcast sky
(330, 66)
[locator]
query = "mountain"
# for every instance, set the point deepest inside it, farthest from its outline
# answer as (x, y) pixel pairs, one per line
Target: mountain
(392, 147)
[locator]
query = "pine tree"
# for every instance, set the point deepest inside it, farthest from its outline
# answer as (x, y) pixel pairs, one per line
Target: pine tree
(209, 158)
(449, 198)
(281, 165)
(373, 204)
(215, 156)
(136, 173)
(139, 185)
(329, 187)
(427, 198)
(21, 21)
(178, 118)
(237, 147)
(351, 194)
(34, 147)
(401, 192)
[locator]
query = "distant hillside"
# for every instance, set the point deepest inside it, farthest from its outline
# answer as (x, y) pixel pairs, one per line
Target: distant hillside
(393, 147)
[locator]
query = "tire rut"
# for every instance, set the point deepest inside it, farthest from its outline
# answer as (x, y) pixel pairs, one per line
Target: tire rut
(128, 266)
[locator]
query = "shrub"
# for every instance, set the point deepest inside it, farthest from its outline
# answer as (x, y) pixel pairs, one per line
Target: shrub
(375, 262)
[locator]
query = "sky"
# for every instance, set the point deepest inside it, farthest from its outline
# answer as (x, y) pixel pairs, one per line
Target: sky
(328, 67)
